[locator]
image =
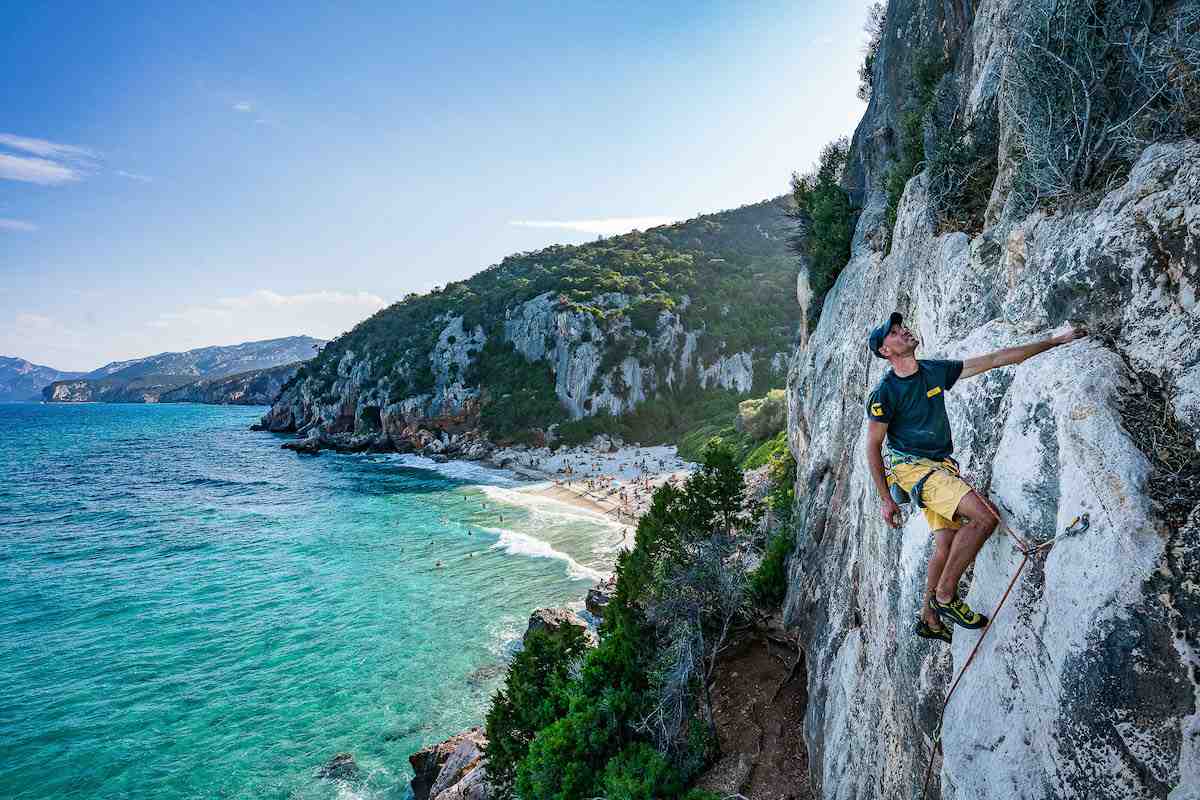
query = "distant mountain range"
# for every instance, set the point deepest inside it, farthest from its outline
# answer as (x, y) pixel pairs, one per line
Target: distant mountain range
(23, 380)
(215, 362)
(147, 380)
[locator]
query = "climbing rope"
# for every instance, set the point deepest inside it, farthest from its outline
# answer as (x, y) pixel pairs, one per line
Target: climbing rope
(1078, 525)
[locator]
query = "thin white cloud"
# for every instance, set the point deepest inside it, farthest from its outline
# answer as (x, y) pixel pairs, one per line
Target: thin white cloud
(35, 321)
(243, 106)
(134, 176)
(44, 148)
(36, 170)
(16, 225)
(608, 226)
(324, 313)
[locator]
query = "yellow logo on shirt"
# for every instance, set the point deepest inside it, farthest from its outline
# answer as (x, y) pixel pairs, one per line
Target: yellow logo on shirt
(877, 409)
(934, 391)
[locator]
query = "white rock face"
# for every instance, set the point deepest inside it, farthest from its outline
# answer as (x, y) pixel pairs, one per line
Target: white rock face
(729, 372)
(1088, 685)
(575, 342)
(450, 359)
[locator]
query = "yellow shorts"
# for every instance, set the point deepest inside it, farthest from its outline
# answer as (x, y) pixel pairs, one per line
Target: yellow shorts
(940, 494)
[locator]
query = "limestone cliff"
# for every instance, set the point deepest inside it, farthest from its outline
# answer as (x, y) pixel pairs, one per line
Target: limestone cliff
(257, 387)
(604, 326)
(1088, 683)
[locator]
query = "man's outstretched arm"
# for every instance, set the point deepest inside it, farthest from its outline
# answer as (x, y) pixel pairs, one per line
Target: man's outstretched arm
(1015, 355)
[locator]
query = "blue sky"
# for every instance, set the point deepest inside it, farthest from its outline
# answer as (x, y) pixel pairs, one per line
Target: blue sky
(175, 177)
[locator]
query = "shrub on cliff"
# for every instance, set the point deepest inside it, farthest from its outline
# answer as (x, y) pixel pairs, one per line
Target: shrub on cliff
(768, 582)
(876, 18)
(825, 220)
(928, 67)
(1091, 83)
(534, 696)
(634, 720)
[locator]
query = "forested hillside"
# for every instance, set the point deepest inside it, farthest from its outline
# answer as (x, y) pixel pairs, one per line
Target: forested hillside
(564, 333)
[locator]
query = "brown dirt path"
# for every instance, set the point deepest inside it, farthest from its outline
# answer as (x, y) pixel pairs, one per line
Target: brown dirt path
(759, 698)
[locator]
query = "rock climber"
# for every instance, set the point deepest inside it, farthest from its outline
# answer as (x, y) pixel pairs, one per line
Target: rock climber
(909, 408)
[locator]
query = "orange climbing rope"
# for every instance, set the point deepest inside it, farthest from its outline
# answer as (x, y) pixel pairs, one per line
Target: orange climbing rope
(937, 736)
(1078, 525)
(1026, 551)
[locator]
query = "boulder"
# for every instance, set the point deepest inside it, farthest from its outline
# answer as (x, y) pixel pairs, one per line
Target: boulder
(599, 596)
(471, 786)
(427, 762)
(553, 620)
(463, 776)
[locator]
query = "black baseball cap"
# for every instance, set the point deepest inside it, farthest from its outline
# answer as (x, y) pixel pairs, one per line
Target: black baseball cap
(875, 339)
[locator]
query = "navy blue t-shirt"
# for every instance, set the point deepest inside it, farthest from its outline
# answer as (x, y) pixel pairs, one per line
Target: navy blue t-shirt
(914, 408)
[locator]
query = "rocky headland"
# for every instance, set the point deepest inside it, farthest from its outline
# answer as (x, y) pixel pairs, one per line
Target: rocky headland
(251, 373)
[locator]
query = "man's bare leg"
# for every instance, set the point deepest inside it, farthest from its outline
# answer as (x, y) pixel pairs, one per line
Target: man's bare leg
(942, 540)
(967, 542)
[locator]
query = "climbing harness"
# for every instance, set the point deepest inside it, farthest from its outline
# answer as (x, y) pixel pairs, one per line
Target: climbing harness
(1078, 525)
(898, 493)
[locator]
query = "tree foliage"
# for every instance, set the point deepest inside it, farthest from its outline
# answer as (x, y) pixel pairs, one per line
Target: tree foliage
(876, 18)
(534, 696)
(825, 219)
(601, 728)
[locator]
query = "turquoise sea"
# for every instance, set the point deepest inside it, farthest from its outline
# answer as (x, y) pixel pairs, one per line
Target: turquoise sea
(189, 611)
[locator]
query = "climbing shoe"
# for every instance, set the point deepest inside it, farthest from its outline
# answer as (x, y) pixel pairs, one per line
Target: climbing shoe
(942, 632)
(958, 612)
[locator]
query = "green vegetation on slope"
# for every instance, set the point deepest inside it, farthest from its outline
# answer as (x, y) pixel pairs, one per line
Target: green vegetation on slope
(728, 274)
(632, 718)
(826, 222)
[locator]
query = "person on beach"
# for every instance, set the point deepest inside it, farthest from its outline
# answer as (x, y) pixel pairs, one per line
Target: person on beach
(908, 406)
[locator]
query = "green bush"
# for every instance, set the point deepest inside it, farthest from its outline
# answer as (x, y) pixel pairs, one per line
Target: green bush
(567, 759)
(764, 452)
(768, 583)
(639, 773)
(534, 696)
(826, 219)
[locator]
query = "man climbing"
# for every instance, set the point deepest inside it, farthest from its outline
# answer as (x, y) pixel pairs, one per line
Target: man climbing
(908, 406)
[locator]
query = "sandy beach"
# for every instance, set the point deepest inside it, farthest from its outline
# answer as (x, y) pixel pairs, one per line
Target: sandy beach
(617, 481)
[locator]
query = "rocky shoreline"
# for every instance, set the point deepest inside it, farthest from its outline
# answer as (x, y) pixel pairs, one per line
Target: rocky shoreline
(455, 768)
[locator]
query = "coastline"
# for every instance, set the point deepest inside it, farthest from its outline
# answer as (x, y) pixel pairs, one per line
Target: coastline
(605, 475)
(604, 478)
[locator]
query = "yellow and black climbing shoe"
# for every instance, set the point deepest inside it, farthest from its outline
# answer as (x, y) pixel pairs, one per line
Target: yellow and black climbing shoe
(958, 612)
(942, 632)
